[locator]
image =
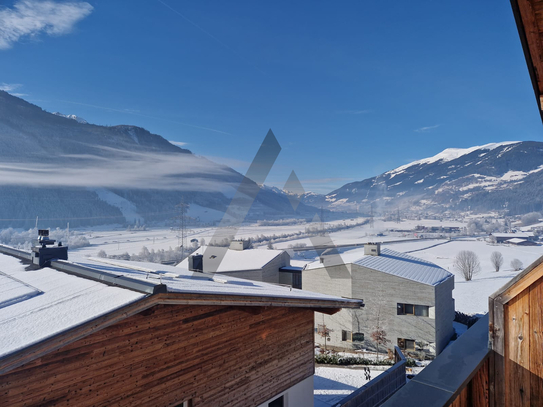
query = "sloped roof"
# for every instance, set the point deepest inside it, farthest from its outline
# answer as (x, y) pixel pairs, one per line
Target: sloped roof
(514, 235)
(233, 260)
(38, 304)
(516, 240)
(405, 266)
(179, 280)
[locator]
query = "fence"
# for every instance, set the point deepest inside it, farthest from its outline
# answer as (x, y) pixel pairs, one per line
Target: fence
(381, 388)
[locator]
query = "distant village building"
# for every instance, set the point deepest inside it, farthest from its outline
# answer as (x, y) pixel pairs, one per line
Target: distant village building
(438, 229)
(409, 298)
(521, 242)
(503, 237)
(270, 266)
(117, 334)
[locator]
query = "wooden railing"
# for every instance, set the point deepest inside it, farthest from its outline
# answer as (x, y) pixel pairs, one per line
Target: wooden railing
(376, 391)
(458, 374)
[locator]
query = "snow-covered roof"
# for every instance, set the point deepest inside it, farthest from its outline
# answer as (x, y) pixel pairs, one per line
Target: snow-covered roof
(395, 263)
(515, 240)
(405, 266)
(37, 304)
(233, 260)
(514, 235)
(179, 280)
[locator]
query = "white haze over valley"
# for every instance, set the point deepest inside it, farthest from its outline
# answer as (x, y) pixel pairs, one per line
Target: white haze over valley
(134, 170)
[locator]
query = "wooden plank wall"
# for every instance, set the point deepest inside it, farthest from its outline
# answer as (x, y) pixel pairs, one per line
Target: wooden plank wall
(214, 355)
(475, 394)
(523, 324)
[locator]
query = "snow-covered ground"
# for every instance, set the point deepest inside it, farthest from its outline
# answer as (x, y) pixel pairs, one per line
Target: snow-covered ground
(472, 296)
(332, 384)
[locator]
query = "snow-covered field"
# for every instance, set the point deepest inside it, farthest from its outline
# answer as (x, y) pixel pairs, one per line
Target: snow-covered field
(472, 296)
(332, 384)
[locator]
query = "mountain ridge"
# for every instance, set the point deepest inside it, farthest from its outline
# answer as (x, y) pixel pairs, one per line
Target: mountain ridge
(494, 176)
(52, 166)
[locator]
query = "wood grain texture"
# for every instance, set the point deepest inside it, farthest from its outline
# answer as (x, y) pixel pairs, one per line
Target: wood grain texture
(476, 392)
(536, 343)
(214, 355)
(517, 350)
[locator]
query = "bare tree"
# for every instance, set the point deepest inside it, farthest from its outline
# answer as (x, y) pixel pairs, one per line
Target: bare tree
(323, 332)
(467, 263)
(496, 259)
(516, 264)
(379, 335)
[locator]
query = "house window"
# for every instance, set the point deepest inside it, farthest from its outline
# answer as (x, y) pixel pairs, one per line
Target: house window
(358, 337)
(406, 344)
(278, 402)
(352, 336)
(410, 309)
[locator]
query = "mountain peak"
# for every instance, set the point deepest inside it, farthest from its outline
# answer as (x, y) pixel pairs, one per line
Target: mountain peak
(72, 117)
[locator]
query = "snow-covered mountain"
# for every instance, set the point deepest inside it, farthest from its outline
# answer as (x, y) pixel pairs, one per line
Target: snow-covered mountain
(72, 116)
(496, 176)
(64, 170)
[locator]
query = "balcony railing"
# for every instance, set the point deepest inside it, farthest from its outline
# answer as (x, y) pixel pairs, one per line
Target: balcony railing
(376, 391)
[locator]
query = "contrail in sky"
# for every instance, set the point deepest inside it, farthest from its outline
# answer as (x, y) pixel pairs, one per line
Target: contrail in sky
(144, 115)
(211, 36)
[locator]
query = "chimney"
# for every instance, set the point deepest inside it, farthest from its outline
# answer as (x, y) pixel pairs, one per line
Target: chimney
(239, 245)
(196, 263)
(372, 249)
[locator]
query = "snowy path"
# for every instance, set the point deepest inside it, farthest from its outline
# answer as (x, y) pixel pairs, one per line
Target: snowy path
(332, 384)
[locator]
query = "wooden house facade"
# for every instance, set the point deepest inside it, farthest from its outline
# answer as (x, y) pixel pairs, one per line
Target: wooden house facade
(189, 346)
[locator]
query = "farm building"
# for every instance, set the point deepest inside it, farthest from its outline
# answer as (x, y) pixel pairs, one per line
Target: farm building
(115, 334)
(270, 266)
(520, 242)
(503, 237)
(411, 299)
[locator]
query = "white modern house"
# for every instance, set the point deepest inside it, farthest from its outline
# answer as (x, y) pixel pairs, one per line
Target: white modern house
(270, 266)
(407, 297)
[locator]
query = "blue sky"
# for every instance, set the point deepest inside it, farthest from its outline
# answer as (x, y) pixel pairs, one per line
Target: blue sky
(350, 89)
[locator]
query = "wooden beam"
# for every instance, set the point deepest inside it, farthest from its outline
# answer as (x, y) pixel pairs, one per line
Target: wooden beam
(518, 284)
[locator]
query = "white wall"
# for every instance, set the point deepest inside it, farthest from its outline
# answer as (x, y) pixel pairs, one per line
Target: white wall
(299, 395)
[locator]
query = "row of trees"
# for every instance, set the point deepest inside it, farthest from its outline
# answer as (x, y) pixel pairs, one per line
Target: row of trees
(467, 262)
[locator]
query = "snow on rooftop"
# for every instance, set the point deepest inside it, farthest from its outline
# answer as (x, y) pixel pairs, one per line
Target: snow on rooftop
(233, 260)
(515, 240)
(395, 263)
(403, 265)
(521, 235)
(37, 304)
(180, 280)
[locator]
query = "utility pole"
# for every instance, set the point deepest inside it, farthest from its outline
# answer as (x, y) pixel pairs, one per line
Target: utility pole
(371, 215)
(181, 226)
(322, 221)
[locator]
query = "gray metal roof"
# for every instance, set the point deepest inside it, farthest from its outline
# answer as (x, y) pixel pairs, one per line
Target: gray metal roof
(405, 266)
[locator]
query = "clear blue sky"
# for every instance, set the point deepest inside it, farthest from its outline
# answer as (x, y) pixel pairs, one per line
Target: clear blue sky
(350, 89)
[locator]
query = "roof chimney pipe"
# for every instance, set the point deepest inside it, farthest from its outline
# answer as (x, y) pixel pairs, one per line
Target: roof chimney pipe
(372, 249)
